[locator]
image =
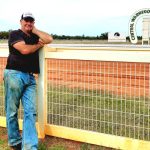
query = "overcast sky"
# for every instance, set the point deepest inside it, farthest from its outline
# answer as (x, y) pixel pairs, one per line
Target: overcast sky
(73, 17)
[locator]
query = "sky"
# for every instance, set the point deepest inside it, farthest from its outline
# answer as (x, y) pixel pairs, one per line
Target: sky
(73, 17)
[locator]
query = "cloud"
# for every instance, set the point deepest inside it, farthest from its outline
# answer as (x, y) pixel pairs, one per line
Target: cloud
(72, 16)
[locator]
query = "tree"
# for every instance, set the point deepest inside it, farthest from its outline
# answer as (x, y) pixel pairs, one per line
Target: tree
(104, 36)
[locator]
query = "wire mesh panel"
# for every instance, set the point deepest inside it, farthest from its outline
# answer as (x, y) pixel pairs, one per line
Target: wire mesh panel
(2, 102)
(2, 91)
(106, 97)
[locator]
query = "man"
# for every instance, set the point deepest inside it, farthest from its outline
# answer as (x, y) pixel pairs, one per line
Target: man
(19, 81)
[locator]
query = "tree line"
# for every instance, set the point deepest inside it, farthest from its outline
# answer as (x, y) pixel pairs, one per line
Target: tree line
(103, 36)
(4, 34)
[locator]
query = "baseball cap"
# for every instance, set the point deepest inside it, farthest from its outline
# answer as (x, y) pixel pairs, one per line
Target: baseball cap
(27, 15)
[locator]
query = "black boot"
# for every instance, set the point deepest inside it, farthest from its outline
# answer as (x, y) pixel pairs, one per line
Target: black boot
(16, 147)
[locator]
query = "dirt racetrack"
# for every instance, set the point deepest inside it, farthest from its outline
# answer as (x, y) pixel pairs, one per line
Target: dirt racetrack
(121, 78)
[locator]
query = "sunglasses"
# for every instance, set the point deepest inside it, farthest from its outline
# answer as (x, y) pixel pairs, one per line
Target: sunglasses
(28, 20)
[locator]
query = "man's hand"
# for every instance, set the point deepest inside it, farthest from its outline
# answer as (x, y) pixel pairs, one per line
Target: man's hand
(41, 43)
(34, 30)
(44, 37)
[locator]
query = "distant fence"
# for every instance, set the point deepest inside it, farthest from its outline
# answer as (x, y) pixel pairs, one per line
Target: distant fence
(99, 94)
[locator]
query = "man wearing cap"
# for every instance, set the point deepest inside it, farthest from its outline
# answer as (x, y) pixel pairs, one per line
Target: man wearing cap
(19, 82)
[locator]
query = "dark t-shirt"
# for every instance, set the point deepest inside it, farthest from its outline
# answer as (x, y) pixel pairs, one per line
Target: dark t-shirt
(16, 60)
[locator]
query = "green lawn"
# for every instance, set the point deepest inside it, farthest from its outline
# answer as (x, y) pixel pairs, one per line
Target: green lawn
(99, 111)
(52, 143)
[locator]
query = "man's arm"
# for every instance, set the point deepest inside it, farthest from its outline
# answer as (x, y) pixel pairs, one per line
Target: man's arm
(45, 37)
(27, 49)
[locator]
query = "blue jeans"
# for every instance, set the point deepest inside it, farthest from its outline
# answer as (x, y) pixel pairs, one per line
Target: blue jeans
(20, 86)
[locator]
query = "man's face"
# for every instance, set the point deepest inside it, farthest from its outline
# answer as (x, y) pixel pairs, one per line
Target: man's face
(27, 24)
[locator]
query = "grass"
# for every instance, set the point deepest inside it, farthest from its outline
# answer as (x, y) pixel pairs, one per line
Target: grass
(3, 139)
(3, 41)
(57, 148)
(52, 143)
(99, 111)
(43, 146)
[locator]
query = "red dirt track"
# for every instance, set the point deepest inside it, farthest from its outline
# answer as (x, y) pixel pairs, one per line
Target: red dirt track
(121, 78)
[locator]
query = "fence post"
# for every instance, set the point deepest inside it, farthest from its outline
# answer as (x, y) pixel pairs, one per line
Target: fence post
(41, 89)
